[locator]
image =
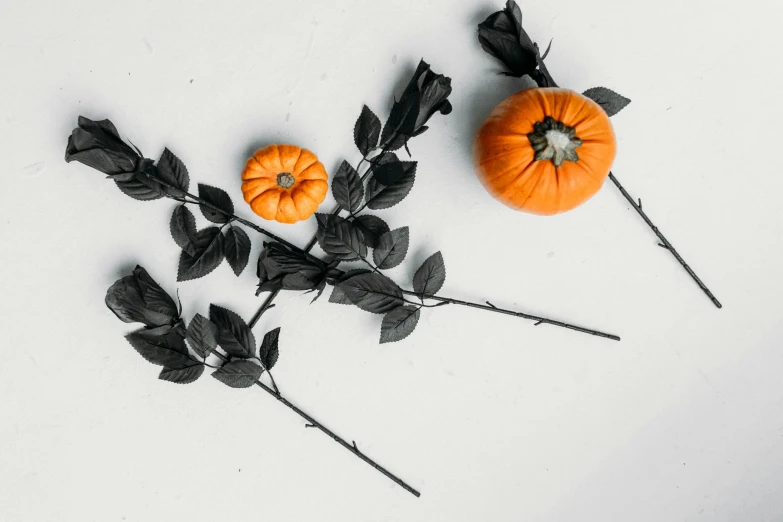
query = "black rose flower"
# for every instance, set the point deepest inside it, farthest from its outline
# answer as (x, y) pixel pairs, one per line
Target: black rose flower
(502, 36)
(279, 267)
(97, 144)
(425, 94)
(137, 298)
(434, 90)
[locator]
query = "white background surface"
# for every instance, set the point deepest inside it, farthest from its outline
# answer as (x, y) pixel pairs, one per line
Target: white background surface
(490, 417)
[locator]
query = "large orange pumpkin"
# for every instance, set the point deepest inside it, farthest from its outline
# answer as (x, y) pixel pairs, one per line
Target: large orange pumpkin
(545, 151)
(284, 182)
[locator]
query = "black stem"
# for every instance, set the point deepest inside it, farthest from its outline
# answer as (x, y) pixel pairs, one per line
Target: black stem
(312, 423)
(269, 373)
(542, 67)
(539, 320)
(665, 242)
(491, 308)
(264, 307)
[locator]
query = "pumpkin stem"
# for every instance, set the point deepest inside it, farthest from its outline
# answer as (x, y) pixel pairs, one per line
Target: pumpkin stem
(554, 140)
(285, 180)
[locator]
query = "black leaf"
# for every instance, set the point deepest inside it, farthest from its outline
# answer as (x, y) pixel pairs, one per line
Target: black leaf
(372, 228)
(161, 346)
(609, 100)
(339, 237)
(183, 229)
(429, 278)
(209, 254)
(184, 374)
(269, 351)
(142, 185)
(238, 374)
(366, 131)
(373, 292)
(399, 323)
(234, 335)
(389, 170)
(218, 198)
(380, 196)
(173, 171)
(138, 298)
(202, 334)
(237, 247)
(392, 248)
(347, 187)
(338, 295)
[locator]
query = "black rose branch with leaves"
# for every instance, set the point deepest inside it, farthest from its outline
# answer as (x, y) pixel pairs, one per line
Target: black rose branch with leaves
(185, 351)
(501, 35)
(164, 341)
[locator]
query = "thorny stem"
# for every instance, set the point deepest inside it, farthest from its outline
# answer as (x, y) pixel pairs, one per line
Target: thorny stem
(311, 422)
(491, 308)
(264, 307)
(664, 242)
(638, 206)
(539, 320)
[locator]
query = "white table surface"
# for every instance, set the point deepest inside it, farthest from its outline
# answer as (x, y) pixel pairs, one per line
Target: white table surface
(493, 419)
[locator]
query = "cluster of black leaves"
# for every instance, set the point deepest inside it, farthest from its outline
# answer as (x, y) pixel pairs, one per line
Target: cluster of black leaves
(376, 293)
(502, 36)
(386, 183)
(203, 250)
(182, 351)
(98, 144)
(245, 363)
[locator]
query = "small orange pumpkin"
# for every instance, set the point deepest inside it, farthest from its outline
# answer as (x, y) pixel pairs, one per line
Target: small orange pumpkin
(545, 150)
(284, 182)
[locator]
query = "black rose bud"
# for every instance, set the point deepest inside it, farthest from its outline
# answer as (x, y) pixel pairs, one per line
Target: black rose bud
(279, 267)
(502, 36)
(97, 144)
(434, 90)
(425, 94)
(137, 298)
